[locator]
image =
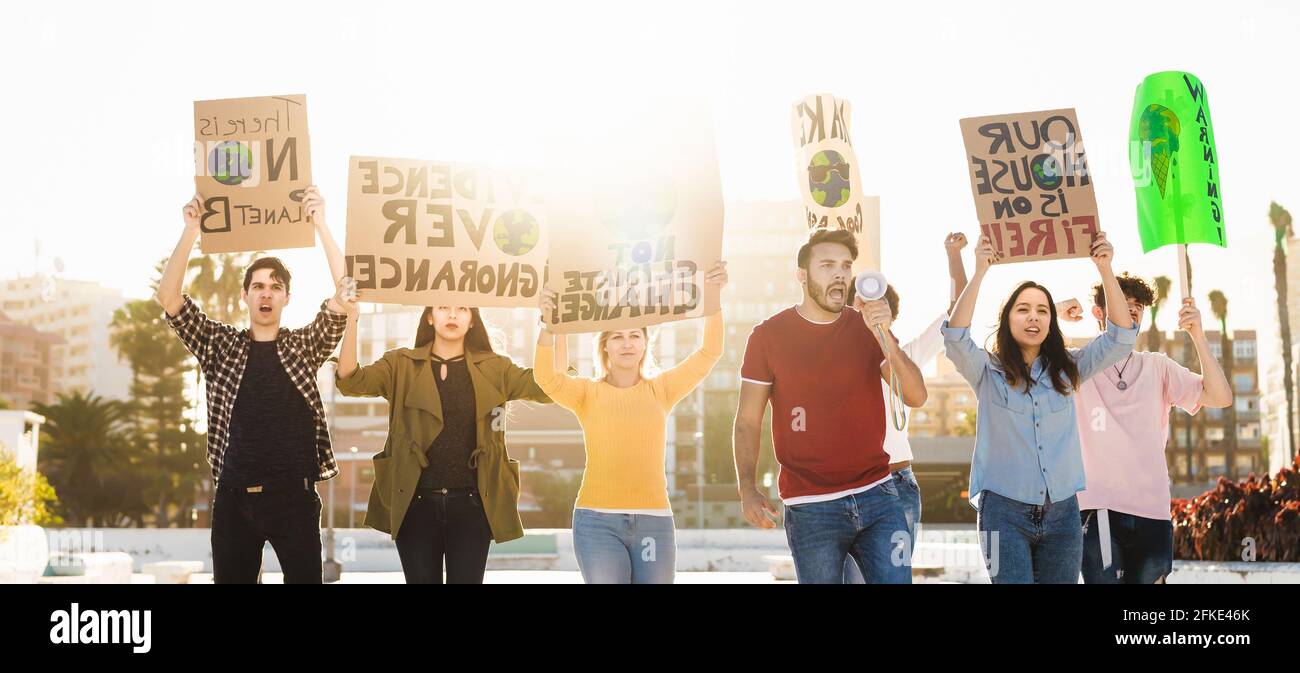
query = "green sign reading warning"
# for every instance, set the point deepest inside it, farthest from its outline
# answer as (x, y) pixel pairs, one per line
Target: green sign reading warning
(1175, 163)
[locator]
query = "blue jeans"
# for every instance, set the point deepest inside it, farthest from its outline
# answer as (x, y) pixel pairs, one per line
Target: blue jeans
(1141, 549)
(624, 548)
(910, 493)
(871, 527)
(1030, 544)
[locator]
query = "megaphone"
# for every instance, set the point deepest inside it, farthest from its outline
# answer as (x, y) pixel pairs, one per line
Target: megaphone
(871, 285)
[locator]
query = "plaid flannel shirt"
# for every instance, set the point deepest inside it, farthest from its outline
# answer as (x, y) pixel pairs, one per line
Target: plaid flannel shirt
(222, 352)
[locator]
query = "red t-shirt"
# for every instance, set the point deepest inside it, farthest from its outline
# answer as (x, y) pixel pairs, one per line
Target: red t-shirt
(828, 412)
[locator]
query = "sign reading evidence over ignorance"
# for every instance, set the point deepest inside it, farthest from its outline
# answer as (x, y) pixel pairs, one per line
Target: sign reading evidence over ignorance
(428, 233)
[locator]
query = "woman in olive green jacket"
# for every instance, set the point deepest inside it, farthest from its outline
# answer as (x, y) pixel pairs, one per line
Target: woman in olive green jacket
(444, 486)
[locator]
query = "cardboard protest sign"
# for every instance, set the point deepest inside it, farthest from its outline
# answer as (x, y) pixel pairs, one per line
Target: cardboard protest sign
(641, 218)
(1032, 189)
(252, 163)
(1175, 163)
(428, 233)
(828, 174)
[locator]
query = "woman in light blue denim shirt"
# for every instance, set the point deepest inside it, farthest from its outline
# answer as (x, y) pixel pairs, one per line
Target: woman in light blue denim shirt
(1027, 465)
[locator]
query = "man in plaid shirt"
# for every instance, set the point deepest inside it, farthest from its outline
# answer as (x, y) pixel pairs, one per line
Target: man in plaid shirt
(268, 441)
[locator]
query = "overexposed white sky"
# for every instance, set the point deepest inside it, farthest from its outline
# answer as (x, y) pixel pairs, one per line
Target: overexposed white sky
(98, 112)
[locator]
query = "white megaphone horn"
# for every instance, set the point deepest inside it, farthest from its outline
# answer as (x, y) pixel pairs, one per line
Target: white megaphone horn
(871, 285)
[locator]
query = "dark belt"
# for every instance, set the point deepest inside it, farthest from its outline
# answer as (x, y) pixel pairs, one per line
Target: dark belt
(304, 484)
(424, 490)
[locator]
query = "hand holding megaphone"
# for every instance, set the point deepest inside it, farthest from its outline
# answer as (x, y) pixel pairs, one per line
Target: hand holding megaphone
(871, 286)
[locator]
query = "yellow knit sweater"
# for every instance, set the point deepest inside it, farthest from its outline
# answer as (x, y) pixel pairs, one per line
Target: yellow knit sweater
(624, 427)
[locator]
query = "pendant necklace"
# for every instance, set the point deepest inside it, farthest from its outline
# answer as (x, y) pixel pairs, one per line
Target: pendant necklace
(1122, 384)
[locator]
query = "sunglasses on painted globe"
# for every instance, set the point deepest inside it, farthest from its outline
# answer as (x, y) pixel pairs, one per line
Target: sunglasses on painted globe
(820, 173)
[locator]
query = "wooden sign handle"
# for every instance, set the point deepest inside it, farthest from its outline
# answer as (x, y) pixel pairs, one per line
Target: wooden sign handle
(1183, 282)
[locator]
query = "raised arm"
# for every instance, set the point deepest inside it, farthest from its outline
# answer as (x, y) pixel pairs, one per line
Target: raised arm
(964, 310)
(953, 245)
(1215, 391)
(171, 286)
(561, 358)
(679, 381)
(520, 384)
(969, 359)
(372, 380)
(207, 339)
(319, 338)
(1121, 334)
(563, 389)
(348, 353)
(314, 204)
(1116, 305)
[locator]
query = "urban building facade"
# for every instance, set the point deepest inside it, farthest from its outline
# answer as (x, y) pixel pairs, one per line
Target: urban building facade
(29, 359)
(79, 312)
(1202, 448)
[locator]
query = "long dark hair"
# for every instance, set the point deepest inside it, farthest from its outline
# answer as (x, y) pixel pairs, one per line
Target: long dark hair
(1013, 364)
(476, 339)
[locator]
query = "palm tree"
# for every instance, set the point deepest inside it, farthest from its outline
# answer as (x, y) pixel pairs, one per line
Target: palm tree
(159, 363)
(1280, 218)
(1154, 337)
(83, 451)
(216, 282)
(1219, 307)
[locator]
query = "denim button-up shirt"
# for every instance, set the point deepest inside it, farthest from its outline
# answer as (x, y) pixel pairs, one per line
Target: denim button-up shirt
(1027, 443)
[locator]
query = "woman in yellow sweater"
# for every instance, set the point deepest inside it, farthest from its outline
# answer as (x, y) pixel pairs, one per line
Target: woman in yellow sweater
(622, 521)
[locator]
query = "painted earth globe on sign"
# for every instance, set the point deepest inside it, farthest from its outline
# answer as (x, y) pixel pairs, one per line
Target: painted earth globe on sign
(828, 179)
(1047, 171)
(230, 162)
(516, 232)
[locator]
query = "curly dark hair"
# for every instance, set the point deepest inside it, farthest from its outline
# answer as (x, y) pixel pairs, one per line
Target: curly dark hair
(1134, 287)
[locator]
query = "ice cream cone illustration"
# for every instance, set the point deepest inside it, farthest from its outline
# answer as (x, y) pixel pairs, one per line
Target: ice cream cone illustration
(1160, 128)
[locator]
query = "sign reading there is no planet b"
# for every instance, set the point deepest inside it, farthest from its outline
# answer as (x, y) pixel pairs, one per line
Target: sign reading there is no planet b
(252, 164)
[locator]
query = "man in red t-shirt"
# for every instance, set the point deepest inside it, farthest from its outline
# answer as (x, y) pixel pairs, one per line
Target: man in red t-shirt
(820, 366)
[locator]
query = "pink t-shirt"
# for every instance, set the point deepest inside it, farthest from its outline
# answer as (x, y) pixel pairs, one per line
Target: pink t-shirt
(1123, 433)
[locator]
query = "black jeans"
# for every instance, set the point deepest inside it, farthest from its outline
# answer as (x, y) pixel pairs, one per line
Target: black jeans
(1141, 549)
(243, 522)
(451, 525)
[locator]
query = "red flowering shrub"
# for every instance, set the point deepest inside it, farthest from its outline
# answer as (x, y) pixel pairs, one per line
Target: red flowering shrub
(1216, 525)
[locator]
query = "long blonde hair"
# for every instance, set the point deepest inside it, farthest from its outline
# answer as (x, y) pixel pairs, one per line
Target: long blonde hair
(646, 367)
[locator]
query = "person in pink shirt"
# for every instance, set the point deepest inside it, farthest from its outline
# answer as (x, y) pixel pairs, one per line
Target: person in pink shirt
(1123, 427)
